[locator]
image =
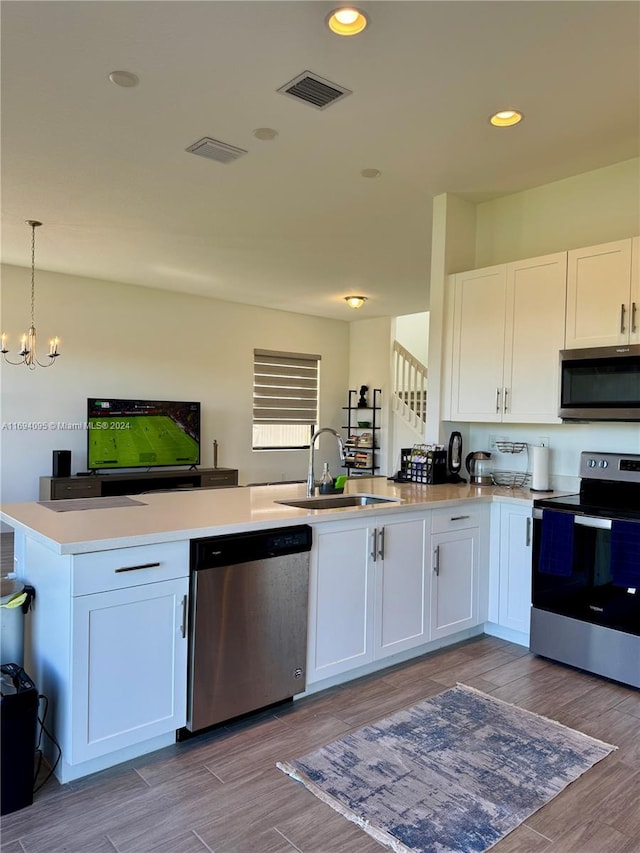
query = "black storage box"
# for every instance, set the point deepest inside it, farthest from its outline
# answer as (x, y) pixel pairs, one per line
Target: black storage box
(428, 466)
(18, 721)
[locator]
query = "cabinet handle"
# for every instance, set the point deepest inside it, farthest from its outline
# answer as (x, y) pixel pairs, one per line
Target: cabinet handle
(505, 400)
(622, 309)
(459, 517)
(183, 627)
(633, 316)
(374, 544)
(135, 568)
(381, 544)
(528, 533)
(497, 401)
(436, 560)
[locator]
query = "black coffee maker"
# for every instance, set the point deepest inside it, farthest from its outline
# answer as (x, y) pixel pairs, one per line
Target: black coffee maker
(454, 459)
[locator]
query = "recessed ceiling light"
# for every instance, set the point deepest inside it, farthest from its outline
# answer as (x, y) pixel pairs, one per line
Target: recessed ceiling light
(266, 134)
(346, 21)
(506, 118)
(355, 301)
(124, 78)
(371, 173)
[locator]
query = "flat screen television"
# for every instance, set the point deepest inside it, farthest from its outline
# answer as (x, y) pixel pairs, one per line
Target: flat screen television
(141, 433)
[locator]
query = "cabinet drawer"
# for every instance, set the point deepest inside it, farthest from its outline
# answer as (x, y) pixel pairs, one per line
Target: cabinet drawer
(457, 518)
(219, 478)
(83, 487)
(126, 567)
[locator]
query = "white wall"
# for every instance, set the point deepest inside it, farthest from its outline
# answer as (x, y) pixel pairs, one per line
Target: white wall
(412, 331)
(121, 340)
(584, 210)
(564, 440)
(594, 207)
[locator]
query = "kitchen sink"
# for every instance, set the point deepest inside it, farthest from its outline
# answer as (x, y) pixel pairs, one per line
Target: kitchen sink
(338, 501)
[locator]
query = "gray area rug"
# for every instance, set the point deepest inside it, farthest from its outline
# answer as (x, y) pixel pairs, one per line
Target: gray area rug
(453, 774)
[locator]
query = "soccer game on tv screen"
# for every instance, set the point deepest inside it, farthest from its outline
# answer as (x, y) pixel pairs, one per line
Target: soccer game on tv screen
(142, 433)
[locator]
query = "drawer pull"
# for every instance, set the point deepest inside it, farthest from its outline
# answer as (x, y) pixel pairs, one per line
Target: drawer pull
(459, 517)
(135, 568)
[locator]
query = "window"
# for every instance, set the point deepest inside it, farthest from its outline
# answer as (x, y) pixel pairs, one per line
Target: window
(285, 399)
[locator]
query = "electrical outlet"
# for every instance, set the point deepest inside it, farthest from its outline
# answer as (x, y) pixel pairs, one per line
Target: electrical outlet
(543, 441)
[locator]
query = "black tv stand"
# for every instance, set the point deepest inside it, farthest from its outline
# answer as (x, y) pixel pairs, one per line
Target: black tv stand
(134, 483)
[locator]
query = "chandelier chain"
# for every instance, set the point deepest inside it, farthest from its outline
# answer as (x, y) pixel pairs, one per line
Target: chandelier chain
(33, 270)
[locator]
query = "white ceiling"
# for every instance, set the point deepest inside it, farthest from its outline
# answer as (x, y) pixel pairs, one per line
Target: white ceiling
(292, 224)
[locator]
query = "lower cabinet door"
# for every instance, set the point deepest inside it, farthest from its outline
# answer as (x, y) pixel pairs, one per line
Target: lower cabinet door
(129, 667)
(402, 592)
(340, 600)
(454, 594)
(515, 567)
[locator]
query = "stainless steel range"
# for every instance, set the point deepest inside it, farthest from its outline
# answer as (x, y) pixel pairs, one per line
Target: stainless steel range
(586, 570)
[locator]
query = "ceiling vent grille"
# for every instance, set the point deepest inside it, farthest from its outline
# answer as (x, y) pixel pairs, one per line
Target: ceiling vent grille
(314, 90)
(215, 150)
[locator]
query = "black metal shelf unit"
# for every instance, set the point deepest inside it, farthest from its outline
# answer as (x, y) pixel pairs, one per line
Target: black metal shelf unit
(362, 434)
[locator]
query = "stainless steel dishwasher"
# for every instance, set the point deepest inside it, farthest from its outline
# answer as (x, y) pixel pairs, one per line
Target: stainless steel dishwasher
(248, 625)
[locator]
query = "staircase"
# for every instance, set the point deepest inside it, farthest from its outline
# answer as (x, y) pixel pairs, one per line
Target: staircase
(409, 398)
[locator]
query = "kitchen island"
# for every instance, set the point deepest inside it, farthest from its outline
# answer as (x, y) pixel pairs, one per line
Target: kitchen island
(108, 636)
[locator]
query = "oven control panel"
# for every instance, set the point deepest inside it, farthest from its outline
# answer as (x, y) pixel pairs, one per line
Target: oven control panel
(623, 467)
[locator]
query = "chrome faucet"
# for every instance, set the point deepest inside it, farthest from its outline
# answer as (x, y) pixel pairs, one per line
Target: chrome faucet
(311, 483)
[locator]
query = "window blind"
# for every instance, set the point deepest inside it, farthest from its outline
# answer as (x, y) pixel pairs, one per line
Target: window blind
(285, 388)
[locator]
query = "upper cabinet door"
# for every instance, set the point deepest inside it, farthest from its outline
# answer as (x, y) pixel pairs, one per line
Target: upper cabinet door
(600, 307)
(634, 323)
(534, 335)
(478, 344)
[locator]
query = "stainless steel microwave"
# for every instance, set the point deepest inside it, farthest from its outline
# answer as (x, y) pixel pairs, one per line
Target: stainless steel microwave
(600, 384)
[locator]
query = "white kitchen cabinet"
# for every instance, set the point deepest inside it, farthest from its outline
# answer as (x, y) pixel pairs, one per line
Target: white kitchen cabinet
(603, 295)
(341, 596)
(478, 344)
(514, 604)
(129, 666)
(109, 650)
(508, 326)
(368, 592)
(459, 552)
(402, 585)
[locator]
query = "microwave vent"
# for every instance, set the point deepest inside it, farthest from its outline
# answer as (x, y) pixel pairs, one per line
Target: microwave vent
(213, 149)
(314, 90)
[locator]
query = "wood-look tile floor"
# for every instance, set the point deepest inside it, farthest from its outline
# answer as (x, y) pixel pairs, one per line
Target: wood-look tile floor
(221, 791)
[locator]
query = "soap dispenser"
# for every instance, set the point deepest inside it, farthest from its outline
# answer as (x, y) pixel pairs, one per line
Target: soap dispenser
(326, 481)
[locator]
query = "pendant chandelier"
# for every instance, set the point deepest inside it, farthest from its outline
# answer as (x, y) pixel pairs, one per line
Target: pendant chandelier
(27, 351)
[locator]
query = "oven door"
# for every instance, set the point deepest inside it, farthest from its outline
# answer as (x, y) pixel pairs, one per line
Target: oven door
(583, 587)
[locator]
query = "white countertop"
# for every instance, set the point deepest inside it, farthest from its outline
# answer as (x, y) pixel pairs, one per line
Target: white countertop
(177, 515)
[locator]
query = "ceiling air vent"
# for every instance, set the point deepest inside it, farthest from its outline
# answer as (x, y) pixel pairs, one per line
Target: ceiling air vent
(314, 90)
(215, 150)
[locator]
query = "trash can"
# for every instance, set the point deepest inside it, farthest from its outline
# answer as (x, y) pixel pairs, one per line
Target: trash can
(15, 600)
(18, 722)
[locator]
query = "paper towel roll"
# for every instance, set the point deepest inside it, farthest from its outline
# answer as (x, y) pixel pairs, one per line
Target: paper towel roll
(540, 469)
